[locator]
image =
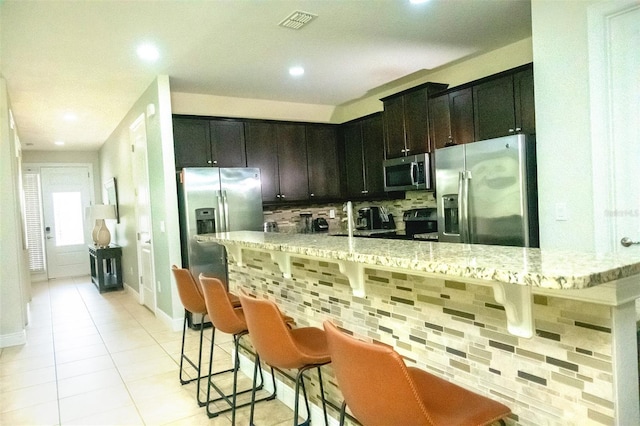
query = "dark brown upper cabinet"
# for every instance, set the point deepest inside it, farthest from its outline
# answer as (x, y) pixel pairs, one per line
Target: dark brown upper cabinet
(451, 118)
(504, 105)
(406, 121)
(279, 151)
(323, 165)
(208, 142)
(363, 144)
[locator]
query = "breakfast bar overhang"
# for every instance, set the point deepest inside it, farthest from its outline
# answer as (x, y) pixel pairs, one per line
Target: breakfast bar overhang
(552, 334)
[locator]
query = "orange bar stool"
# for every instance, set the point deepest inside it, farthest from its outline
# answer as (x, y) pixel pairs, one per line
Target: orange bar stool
(230, 320)
(282, 347)
(381, 390)
(193, 301)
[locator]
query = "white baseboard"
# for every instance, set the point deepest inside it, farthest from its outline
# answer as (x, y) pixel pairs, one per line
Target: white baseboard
(13, 339)
(174, 323)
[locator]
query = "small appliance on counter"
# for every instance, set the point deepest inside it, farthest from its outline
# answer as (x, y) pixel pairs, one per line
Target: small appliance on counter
(271, 226)
(421, 221)
(374, 217)
(320, 225)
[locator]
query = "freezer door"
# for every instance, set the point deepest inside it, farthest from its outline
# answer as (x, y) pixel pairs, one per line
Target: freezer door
(449, 163)
(497, 189)
(241, 199)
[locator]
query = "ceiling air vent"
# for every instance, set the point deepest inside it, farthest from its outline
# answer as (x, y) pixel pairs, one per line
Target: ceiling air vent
(297, 20)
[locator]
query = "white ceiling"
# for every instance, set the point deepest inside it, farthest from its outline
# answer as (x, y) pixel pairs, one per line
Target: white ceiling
(79, 56)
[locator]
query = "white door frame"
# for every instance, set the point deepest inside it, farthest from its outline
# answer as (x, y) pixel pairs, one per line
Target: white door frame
(36, 167)
(141, 121)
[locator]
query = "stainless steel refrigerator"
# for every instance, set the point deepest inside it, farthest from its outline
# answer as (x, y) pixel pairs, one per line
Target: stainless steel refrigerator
(210, 200)
(487, 192)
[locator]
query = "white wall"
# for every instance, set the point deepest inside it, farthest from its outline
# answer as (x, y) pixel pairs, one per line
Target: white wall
(13, 276)
(507, 57)
(563, 129)
(116, 161)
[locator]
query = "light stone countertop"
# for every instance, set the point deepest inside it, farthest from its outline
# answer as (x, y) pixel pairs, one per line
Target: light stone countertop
(551, 269)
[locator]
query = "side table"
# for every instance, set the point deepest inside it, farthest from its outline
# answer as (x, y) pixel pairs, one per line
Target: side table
(106, 267)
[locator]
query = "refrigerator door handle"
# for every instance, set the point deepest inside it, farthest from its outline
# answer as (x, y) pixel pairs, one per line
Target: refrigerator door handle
(463, 196)
(225, 202)
(220, 213)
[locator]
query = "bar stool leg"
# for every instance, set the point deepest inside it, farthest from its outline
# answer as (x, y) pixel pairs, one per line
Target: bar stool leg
(183, 357)
(343, 411)
(233, 401)
(324, 402)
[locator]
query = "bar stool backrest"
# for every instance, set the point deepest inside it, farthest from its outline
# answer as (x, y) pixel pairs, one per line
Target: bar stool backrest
(269, 333)
(189, 291)
(374, 381)
(219, 308)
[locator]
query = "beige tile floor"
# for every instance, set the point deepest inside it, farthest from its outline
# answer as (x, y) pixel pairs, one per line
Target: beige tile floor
(103, 359)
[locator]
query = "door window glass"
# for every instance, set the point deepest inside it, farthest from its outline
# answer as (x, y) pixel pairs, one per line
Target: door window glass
(67, 216)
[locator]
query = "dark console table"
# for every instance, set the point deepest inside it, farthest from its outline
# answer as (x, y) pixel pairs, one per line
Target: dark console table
(106, 267)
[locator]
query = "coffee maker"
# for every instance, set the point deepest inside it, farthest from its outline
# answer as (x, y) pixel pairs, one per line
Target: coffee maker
(374, 217)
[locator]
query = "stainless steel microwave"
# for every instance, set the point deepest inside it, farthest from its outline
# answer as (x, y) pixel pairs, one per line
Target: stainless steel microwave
(407, 173)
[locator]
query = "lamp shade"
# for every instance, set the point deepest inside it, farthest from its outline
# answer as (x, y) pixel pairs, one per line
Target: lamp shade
(103, 211)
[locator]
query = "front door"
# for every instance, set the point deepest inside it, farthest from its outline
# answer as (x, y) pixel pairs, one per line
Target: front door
(138, 138)
(65, 195)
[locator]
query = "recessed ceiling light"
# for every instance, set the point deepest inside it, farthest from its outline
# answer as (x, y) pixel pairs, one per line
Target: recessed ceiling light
(148, 52)
(59, 143)
(296, 71)
(70, 117)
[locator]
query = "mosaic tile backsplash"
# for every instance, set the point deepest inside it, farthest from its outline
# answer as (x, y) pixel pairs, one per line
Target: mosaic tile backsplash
(561, 376)
(289, 220)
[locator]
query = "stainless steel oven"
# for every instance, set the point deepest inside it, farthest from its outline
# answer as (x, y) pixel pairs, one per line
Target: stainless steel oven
(407, 173)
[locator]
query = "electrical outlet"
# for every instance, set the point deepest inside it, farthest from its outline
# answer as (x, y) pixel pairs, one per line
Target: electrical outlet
(332, 214)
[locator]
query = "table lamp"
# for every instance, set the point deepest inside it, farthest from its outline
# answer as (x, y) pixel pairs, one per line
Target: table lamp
(100, 234)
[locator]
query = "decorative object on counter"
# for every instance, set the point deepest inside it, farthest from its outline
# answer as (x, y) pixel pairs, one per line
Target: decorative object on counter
(375, 217)
(306, 226)
(381, 390)
(100, 234)
(320, 224)
(271, 226)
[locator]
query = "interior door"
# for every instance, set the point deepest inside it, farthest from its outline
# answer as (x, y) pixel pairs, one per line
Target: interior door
(615, 90)
(138, 138)
(66, 192)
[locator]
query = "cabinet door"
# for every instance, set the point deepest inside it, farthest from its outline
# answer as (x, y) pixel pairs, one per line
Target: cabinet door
(373, 147)
(493, 107)
(227, 143)
(394, 127)
(322, 164)
(461, 113)
(262, 153)
(292, 162)
(354, 159)
(439, 121)
(524, 101)
(416, 122)
(191, 142)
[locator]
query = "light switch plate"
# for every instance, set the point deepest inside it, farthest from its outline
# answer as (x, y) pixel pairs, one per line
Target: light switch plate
(562, 212)
(332, 214)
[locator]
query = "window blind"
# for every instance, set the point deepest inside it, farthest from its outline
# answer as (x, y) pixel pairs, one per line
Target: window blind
(33, 213)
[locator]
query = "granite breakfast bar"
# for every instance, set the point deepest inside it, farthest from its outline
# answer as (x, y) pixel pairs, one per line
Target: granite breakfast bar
(550, 334)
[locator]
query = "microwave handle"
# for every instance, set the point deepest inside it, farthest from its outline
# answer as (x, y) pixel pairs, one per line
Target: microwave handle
(414, 173)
